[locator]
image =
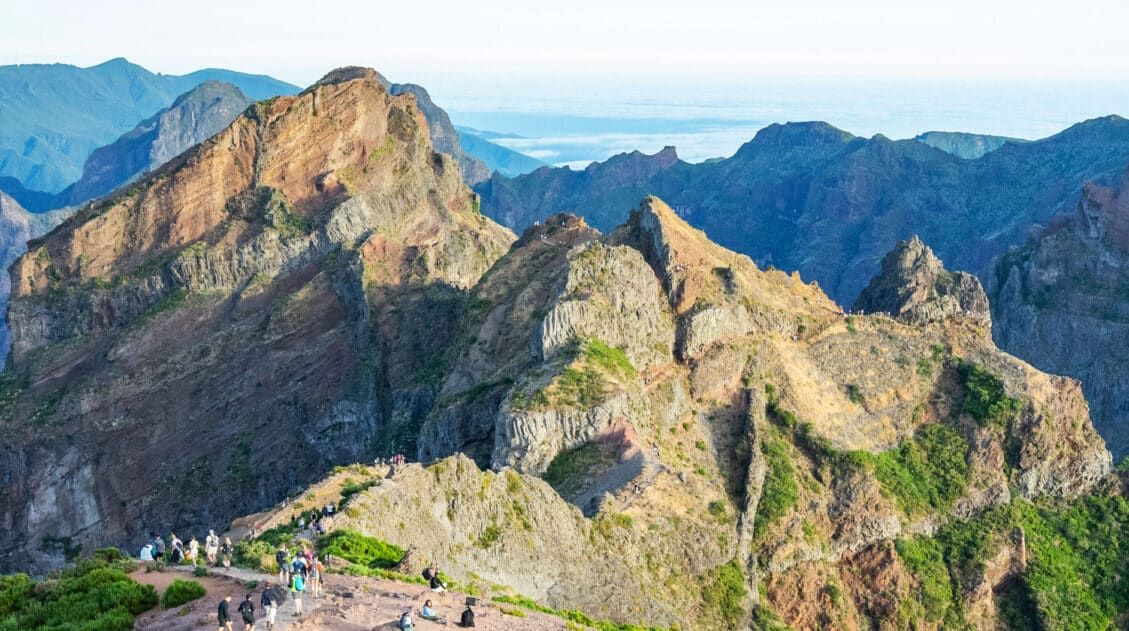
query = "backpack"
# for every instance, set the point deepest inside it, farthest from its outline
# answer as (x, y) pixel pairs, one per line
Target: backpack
(299, 584)
(280, 558)
(468, 618)
(427, 574)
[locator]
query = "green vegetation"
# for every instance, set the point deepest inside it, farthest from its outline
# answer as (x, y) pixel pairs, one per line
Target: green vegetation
(584, 383)
(928, 472)
(255, 554)
(780, 491)
(351, 487)
(95, 594)
(354, 547)
(571, 616)
(12, 384)
(1078, 563)
(180, 592)
(571, 469)
(854, 393)
(488, 537)
(724, 592)
(718, 510)
(925, 558)
(985, 399)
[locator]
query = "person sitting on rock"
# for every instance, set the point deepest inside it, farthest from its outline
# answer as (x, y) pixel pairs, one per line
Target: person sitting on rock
(434, 582)
(429, 613)
(406, 621)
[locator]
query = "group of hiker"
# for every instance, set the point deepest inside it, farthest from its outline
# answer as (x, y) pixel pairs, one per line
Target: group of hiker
(177, 551)
(428, 612)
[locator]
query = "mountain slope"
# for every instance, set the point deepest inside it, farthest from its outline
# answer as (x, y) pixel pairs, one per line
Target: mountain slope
(677, 438)
(53, 116)
(192, 118)
(506, 161)
(1064, 297)
(818, 200)
(272, 287)
(964, 145)
(17, 226)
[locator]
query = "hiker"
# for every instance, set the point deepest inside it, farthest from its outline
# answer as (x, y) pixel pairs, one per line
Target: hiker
(269, 602)
(227, 549)
(309, 553)
(429, 613)
(281, 558)
(467, 619)
(193, 549)
(314, 574)
(159, 546)
(297, 587)
(224, 614)
(434, 582)
(302, 522)
(298, 566)
(406, 621)
(177, 554)
(211, 547)
(247, 608)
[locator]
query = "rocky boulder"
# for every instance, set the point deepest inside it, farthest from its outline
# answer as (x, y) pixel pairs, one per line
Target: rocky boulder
(915, 287)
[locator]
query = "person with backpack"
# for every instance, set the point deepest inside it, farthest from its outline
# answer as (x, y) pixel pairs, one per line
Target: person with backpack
(467, 619)
(227, 549)
(282, 558)
(406, 621)
(434, 582)
(247, 608)
(269, 603)
(193, 549)
(159, 547)
(313, 571)
(211, 547)
(224, 614)
(297, 588)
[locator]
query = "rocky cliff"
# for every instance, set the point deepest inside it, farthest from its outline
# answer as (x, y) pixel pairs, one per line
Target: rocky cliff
(192, 118)
(809, 197)
(260, 308)
(1064, 297)
(741, 448)
(964, 145)
(915, 286)
(54, 115)
(16, 227)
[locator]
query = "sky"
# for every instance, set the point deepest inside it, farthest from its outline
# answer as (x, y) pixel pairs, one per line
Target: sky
(711, 72)
(445, 40)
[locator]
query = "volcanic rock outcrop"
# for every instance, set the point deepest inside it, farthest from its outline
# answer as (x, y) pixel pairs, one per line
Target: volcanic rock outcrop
(261, 308)
(915, 287)
(1064, 297)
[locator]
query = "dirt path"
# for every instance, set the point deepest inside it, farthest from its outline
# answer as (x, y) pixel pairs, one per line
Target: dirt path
(219, 582)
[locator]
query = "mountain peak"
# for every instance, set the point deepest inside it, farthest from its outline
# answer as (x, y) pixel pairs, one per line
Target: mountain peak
(914, 286)
(349, 73)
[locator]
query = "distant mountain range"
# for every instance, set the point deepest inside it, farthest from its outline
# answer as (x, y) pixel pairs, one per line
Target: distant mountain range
(52, 116)
(813, 198)
(964, 145)
(497, 157)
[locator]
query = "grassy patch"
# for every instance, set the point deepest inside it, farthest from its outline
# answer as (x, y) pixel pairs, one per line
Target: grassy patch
(780, 491)
(928, 472)
(94, 594)
(570, 616)
(351, 487)
(180, 592)
(571, 469)
(985, 399)
(925, 558)
(724, 592)
(362, 550)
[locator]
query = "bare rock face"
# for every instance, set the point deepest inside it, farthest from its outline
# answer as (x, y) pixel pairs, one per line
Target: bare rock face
(192, 118)
(915, 287)
(17, 226)
(1060, 301)
(278, 285)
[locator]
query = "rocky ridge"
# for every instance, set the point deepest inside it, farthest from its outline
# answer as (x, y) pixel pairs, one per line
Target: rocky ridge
(1062, 297)
(272, 285)
(914, 286)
